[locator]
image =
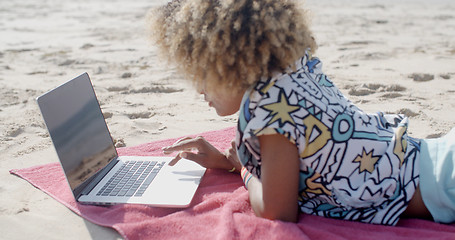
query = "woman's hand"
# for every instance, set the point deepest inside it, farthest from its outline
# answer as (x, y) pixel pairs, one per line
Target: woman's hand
(200, 151)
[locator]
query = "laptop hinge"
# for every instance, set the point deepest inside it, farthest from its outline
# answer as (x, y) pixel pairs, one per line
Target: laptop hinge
(95, 179)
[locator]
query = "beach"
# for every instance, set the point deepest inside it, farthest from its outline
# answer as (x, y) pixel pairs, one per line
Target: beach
(390, 56)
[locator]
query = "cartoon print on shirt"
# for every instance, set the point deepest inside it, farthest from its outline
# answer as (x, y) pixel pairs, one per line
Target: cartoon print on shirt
(350, 160)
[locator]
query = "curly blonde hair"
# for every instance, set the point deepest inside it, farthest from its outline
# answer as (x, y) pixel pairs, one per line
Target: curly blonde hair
(231, 43)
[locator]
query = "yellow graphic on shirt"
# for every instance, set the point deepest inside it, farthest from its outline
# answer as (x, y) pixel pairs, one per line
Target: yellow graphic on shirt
(264, 131)
(315, 187)
(266, 88)
(401, 144)
(367, 161)
(317, 135)
(281, 111)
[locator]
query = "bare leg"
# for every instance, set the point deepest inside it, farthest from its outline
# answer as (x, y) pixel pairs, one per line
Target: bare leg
(416, 207)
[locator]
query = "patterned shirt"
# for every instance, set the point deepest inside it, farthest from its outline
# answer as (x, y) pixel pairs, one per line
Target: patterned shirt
(353, 165)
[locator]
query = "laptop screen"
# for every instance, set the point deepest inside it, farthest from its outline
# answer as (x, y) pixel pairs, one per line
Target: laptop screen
(77, 128)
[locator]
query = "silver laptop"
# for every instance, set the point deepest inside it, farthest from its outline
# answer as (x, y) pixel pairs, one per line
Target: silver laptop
(95, 173)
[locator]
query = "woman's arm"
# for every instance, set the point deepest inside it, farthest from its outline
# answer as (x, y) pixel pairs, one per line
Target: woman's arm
(276, 195)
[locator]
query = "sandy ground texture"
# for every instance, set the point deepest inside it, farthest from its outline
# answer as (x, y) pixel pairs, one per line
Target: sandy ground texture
(391, 56)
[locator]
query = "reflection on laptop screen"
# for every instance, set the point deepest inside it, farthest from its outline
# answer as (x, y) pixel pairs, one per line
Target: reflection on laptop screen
(78, 130)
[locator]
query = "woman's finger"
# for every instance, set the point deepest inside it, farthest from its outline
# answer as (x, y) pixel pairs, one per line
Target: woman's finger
(181, 145)
(178, 142)
(175, 160)
(190, 144)
(181, 140)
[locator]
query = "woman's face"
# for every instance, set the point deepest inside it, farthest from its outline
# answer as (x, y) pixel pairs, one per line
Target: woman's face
(226, 102)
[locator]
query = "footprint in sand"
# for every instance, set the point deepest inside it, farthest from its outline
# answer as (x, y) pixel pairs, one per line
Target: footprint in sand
(360, 91)
(363, 89)
(22, 210)
(14, 131)
(408, 112)
(391, 91)
(139, 115)
(117, 89)
(445, 76)
(127, 75)
(391, 95)
(66, 63)
(421, 77)
(87, 46)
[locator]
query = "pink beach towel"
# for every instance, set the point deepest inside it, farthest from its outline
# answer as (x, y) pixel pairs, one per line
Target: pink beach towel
(220, 210)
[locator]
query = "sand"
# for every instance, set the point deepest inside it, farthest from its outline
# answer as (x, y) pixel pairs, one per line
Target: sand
(391, 56)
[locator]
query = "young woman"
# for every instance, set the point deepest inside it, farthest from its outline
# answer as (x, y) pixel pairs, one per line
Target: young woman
(301, 145)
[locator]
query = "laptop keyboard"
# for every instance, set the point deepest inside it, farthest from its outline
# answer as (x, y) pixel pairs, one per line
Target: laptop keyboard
(132, 179)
